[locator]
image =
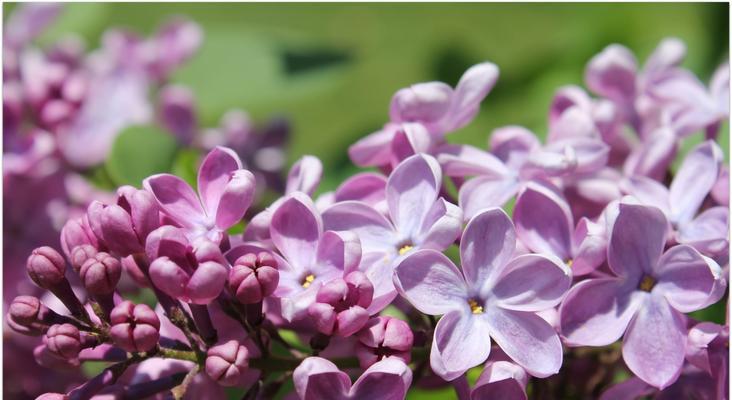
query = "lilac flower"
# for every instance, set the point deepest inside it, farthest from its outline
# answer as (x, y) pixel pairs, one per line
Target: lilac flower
(494, 296)
(310, 256)
(545, 225)
(708, 231)
(318, 378)
(500, 379)
(384, 337)
(225, 191)
(135, 327)
(227, 362)
(647, 298)
(422, 114)
(340, 305)
(253, 277)
(418, 219)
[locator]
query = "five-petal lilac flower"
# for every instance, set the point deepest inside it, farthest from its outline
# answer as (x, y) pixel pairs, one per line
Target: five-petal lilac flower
(646, 299)
(493, 296)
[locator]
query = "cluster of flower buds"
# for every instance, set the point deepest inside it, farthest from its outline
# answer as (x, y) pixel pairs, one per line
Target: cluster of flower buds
(605, 242)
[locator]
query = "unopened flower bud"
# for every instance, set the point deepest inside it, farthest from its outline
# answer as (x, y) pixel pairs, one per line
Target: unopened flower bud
(227, 363)
(135, 327)
(340, 307)
(77, 232)
(46, 267)
(80, 254)
(63, 340)
(384, 337)
(253, 277)
(52, 396)
(24, 310)
(100, 274)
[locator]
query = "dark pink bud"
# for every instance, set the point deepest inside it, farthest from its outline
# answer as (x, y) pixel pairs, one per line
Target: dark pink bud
(324, 317)
(46, 267)
(63, 340)
(24, 310)
(344, 300)
(253, 277)
(80, 254)
(360, 289)
(100, 274)
(134, 271)
(52, 396)
(45, 358)
(77, 232)
(135, 327)
(384, 337)
(227, 363)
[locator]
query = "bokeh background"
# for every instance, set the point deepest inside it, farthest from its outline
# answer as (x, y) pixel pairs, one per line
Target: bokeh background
(331, 69)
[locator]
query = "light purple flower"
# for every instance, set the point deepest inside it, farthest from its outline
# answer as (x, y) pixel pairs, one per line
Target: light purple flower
(422, 114)
(695, 179)
(501, 379)
(317, 378)
(647, 298)
(418, 219)
(225, 192)
(493, 296)
(383, 337)
(310, 256)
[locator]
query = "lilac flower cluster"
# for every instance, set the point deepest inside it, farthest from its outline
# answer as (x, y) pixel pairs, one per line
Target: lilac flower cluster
(414, 276)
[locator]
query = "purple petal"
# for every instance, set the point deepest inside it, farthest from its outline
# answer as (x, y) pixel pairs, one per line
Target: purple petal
(648, 192)
(317, 378)
(630, 389)
(529, 340)
(473, 87)
(487, 244)
(207, 282)
(720, 191)
(236, 198)
(295, 230)
(590, 241)
(388, 379)
(177, 199)
(573, 123)
(379, 268)
(214, 175)
(708, 232)
(431, 282)
(410, 139)
(719, 87)
(27, 21)
(699, 339)
(653, 347)
(565, 98)
(686, 280)
(693, 181)
(596, 312)
(411, 191)
(544, 220)
(669, 53)
(373, 229)
(501, 380)
(441, 226)
(612, 74)
(374, 149)
(177, 111)
(482, 193)
(304, 176)
(637, 240)
(465, 160)
(423, 102)
(367, 187)
(532, 283)
(512, 144)
(654, 156)
(455, 332)
(339, 251)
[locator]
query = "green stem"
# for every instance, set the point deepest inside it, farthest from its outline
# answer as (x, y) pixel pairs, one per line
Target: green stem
(185, 355)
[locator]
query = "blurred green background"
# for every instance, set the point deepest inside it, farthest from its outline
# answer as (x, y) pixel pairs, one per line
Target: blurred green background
(332, 68)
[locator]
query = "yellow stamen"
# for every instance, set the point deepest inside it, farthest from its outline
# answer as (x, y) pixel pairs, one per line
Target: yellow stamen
(570, 262)
(647, 284)
(474, 307)
(308, 280)
(405, 249)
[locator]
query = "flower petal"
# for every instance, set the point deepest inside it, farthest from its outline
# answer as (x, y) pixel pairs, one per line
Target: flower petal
(461, 342)
(423, 102)
(482, 192)
(176, 198)
(410, 139)
(295, 230)
(529, 340)
(687, 280)
(411, 191)
(596, 312)
(339, 251)
(465, 160)
(653, 347)
(532, 283)
(214, 175)
(512, 144)
(235, 200)
(388, 379)
(708, 232)
(431, 282)
(441, 226)
(544, 220)
(367, 187)
(694, 180)
(304, 176)
(374, 149)
(317, 378)
(630, 389)
(637, 240)
(500, 380)
(654, 156)
(472, 88)
(487, 244)
(612, 74)
(374, 230)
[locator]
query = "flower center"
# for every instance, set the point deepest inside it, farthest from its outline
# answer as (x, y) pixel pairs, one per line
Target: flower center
(404, 249)
(647, 283)
(474, 307)
(570, 262)
(308, 281)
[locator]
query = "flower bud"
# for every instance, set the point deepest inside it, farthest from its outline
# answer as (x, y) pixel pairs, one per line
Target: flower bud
(200, 286)
(227, 363)
(45, 358)
(341, 304)
(253, 277)
(63, 340)
(100, 274)
(384, 337)
(46, 267)
(52, 396)
(77, 232)
(80, 254)
(24, 310)
(135, 327)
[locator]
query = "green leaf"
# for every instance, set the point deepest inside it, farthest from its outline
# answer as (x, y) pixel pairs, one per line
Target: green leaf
(140, 151)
